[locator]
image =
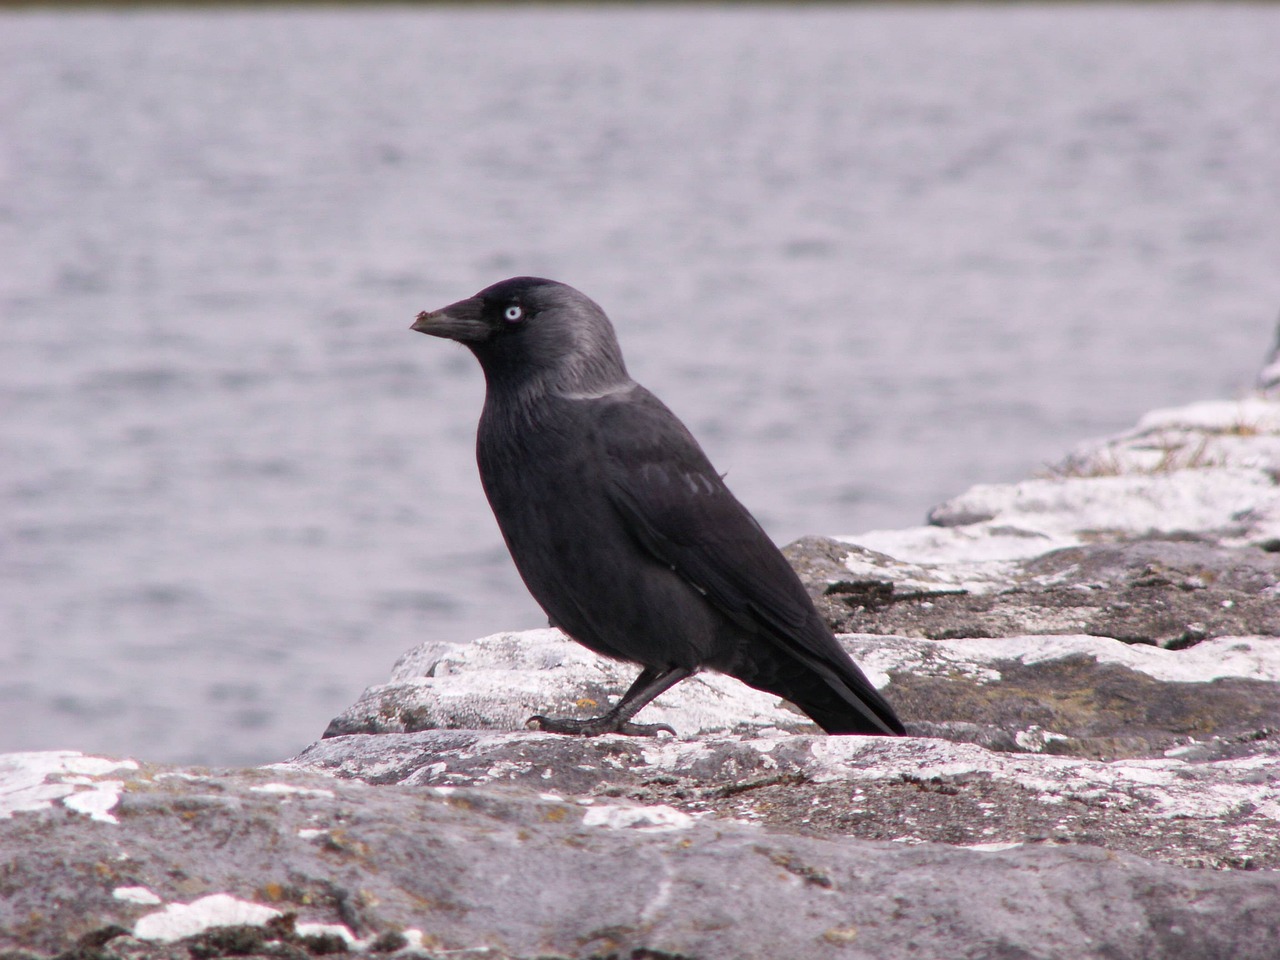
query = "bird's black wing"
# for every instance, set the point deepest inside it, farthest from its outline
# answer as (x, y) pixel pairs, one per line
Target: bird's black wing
(678, 507)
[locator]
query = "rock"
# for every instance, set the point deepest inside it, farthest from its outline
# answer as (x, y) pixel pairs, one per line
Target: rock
(498, 682)
(1088, 664)
(1268, 380)
(286, 862)
(1167, 534)
(1095, 696)
(1206, 472)
(1173, 593)
(1185, 809)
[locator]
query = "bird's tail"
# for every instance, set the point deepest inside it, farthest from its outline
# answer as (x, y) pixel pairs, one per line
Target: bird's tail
(835, 714)
(839, 698)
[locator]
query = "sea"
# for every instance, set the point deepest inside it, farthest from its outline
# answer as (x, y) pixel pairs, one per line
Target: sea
(871, 254)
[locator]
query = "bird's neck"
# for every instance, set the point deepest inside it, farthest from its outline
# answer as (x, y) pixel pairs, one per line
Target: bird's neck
(597, 375)
(528, 385)
(518, 407)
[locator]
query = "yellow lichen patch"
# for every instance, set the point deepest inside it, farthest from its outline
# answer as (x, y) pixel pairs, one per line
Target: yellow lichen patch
(586, 703)
(339, 842)
(555, 814)
(1242, 427)
(845, 934)
(432, 943)
(1096, 464)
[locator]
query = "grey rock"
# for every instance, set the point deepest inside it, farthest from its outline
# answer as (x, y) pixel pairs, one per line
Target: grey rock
(524, 874)
(1173, 593)
(1093, 709)
(1096, 697)
(1191, 809)
(1268, 380)
(498, 682)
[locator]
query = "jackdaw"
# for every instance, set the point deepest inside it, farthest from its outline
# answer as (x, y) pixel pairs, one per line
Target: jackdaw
(621, 528)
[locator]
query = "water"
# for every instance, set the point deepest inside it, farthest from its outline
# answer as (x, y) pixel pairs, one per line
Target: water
(871, 255)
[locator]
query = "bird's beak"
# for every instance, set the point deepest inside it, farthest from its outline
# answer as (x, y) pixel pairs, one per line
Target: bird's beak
(461, 321)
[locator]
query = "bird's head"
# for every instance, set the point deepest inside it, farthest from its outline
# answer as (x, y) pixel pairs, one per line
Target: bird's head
(533, 333)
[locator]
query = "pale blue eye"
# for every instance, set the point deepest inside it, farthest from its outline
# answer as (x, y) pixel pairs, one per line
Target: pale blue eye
(514, 313)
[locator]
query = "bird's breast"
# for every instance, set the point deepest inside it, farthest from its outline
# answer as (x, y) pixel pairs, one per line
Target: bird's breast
(540, 474)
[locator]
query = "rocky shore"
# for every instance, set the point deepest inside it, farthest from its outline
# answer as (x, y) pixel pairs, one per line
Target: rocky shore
(1088, 663)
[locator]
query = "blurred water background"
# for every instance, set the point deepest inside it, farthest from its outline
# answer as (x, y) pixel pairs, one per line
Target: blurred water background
(872, 255)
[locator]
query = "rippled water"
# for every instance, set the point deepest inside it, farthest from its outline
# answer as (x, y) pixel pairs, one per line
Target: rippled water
(871, 255)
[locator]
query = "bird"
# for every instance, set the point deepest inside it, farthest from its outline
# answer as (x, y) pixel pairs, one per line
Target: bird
(621, 528)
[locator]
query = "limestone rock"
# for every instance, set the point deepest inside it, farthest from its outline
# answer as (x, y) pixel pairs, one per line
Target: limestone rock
(498, 682)
(1092, 696)
(1185, 809)
(284, 862)
(1174, 593)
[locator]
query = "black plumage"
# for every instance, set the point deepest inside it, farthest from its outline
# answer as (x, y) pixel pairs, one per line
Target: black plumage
(622, 529)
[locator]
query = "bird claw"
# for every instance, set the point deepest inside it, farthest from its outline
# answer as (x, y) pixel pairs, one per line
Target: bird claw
(596, 726)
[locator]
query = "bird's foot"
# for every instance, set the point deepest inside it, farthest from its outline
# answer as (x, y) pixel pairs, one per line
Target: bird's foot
(596, 726)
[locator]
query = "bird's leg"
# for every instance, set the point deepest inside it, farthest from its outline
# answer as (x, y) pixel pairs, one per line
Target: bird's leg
(651, 683)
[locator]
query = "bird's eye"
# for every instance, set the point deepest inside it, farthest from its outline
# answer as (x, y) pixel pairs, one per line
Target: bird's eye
(513, 313)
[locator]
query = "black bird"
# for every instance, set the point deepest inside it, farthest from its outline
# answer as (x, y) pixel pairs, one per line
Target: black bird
(622, 529)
